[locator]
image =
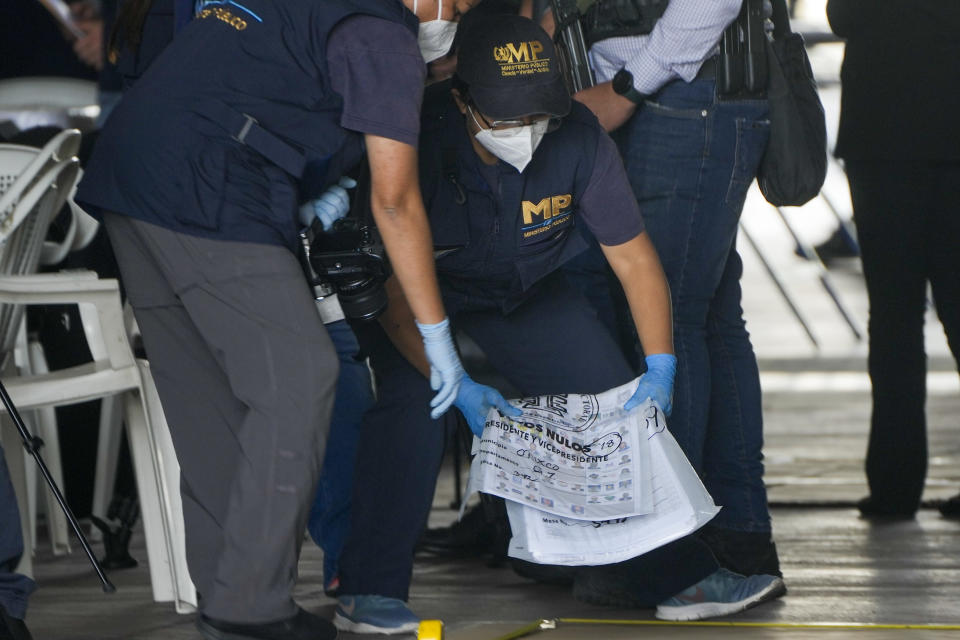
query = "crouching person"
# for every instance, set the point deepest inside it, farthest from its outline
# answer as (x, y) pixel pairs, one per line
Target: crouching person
(513, 177)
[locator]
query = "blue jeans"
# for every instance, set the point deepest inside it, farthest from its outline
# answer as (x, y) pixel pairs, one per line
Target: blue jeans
(690, 159)
(14, 588)
(329, 522)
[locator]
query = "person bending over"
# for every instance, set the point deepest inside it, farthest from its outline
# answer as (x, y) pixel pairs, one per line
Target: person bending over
(196, 176)
(514, 177)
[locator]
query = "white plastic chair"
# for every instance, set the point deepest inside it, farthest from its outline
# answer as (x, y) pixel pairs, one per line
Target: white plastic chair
(21, 167)
(29, 204)
(112, 370)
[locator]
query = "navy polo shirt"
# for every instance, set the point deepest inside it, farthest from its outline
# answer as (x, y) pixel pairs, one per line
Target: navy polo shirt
(314, 74)
(508, 229)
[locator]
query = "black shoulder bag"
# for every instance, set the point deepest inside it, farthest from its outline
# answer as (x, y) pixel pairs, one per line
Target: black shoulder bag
(795, 163)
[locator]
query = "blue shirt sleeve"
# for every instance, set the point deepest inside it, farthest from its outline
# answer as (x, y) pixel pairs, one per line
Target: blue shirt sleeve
(376, 67)
(686, 35)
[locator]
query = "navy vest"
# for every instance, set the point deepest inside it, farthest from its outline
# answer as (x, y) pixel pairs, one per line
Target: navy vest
(169, 153)
(498, 240)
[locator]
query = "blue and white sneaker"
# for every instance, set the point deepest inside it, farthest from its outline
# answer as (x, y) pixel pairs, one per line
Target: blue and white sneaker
(720, 594)
(374, 614)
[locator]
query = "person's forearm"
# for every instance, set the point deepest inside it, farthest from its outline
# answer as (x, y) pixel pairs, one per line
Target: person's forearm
(406, 237)
(398, 322)
(638, 269)
(400, 216)
(611, 109)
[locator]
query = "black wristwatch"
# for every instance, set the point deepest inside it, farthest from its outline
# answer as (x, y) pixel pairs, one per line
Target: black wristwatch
(623, 85)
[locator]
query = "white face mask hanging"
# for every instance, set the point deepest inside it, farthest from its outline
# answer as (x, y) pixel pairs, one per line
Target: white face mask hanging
(435, 37)
(514, 146)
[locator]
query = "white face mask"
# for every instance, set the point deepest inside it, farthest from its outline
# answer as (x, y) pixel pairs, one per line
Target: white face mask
(514, 146)
(435, 37)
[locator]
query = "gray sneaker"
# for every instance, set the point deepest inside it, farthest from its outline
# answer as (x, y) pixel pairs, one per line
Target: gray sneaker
(720, 594)
(374, 614)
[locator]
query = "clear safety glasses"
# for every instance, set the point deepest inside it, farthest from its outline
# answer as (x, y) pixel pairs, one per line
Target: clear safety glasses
(508, 128)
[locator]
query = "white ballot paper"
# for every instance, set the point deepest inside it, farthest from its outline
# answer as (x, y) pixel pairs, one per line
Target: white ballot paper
(681, 506)
(578, 456)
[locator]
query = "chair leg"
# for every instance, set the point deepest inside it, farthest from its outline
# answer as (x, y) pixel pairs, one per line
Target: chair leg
(157, 473)
(169, 470)
(13, 452)
(46, 428)
(108, 454)
(155, 530)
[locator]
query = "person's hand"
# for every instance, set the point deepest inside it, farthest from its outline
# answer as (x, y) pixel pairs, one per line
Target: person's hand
(656, 383)
(611, 109)
(446, 371)
(474, 401)
(332, 205)
(89, 47)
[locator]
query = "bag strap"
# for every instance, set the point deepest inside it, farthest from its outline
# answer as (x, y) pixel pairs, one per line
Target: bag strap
(781, 19)
(245, 129)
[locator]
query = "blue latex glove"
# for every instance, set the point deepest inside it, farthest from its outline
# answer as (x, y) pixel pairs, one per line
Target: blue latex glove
(656, 383)
(474, 401)
(332, 205)
(446, 371)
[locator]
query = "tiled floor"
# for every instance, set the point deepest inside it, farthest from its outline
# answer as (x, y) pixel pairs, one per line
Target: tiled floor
(840, 569)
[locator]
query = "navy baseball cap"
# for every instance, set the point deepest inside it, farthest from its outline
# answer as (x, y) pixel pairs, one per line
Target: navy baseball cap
(511, 68)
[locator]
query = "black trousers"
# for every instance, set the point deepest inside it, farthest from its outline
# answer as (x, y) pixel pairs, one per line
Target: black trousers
(908, 222)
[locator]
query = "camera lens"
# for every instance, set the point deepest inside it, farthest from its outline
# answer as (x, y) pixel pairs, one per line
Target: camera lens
(362, 299)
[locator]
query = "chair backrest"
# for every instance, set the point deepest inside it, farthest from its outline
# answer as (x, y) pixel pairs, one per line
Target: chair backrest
(20, 166)
(22, 238)
(81, 229)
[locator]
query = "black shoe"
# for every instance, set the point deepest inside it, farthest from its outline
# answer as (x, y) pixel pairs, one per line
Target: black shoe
(483, 531)
(544, 573)
(467, 537)
(302, 626)
(610, 586)
(12, 628)
(951, 508)
(873, 508)
(745, 552)
(838, 245)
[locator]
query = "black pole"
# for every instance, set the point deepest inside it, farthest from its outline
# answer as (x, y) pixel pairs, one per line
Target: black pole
(33, 444)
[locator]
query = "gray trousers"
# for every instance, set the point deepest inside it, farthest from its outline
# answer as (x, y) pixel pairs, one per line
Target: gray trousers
(246, 374)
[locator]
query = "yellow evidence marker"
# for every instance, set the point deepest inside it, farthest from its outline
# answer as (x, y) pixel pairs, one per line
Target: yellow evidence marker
(430, 630)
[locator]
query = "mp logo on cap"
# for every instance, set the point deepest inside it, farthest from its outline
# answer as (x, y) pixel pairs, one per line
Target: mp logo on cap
(510, 53)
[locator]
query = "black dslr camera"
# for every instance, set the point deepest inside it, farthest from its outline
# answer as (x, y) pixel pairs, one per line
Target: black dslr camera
(348, 260)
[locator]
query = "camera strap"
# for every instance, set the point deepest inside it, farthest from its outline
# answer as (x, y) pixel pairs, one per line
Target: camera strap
(245, 129)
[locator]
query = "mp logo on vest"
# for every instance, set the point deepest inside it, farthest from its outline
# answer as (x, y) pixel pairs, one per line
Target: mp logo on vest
(544, 216)
(521, 59)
